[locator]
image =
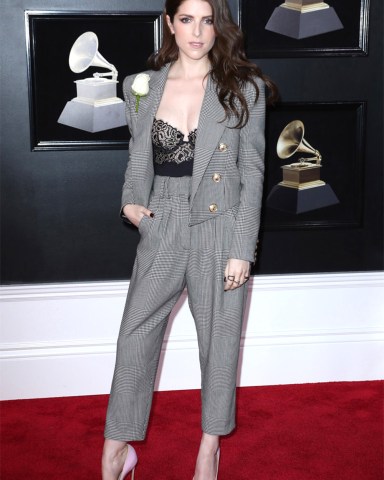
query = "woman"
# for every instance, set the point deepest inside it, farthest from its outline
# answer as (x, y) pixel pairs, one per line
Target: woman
(193, 187)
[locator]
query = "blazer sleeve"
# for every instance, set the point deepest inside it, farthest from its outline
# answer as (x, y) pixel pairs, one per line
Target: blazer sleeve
(128, 191)
(251, 169)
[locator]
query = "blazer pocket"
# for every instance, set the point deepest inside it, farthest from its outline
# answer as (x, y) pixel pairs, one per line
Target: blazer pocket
(229, 219)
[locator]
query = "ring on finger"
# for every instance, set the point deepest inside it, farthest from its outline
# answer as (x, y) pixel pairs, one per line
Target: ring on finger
(231, 278)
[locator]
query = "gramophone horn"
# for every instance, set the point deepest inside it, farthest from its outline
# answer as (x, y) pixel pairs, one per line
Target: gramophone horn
(292, 140)
(84, 54)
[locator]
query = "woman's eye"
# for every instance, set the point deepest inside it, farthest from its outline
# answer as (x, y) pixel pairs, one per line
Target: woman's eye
(209, 21)
(185, 20)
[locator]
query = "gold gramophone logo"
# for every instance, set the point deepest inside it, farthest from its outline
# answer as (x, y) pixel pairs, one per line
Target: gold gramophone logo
(301, 188)
(302, 174)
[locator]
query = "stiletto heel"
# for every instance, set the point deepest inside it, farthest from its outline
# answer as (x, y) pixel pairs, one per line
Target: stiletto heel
(129, 464)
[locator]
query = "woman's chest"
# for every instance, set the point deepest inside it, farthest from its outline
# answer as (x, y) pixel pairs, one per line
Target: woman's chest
(180, 105)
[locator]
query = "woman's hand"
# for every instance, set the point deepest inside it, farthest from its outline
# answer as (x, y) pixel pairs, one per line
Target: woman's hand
(135, 213)
(236, 273)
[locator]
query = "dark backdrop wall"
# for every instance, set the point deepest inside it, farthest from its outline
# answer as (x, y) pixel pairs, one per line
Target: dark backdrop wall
(59, 218)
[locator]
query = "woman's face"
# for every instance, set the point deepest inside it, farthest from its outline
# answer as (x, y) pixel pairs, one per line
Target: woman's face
(193, 29)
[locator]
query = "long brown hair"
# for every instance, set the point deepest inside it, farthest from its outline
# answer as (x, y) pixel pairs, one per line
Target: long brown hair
(230, 68)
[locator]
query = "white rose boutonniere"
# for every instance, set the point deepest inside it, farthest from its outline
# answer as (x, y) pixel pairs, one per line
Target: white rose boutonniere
(140, 87)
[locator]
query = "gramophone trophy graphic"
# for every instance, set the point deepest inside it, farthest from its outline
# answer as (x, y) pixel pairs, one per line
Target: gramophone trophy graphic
(96, 106)
(301, 189)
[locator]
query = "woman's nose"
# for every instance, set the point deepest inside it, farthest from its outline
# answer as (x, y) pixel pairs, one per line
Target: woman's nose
(197, 30)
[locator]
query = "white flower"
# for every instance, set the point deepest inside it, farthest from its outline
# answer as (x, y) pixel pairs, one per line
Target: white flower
(140, 87)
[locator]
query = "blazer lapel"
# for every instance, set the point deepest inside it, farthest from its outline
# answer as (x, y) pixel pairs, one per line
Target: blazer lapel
(148, 107)
(210, 129)
(142, 168)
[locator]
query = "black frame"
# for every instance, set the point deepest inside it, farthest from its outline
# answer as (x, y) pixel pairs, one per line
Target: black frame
(49, 38)
(352, 40)
(337, 130)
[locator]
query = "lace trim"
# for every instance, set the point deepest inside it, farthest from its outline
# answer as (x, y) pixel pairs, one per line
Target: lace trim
(169, 144)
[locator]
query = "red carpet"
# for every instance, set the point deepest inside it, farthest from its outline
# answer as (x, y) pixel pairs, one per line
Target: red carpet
(329, 431)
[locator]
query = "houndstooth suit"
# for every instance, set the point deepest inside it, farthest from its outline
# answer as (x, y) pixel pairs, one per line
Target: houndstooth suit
(199, 223)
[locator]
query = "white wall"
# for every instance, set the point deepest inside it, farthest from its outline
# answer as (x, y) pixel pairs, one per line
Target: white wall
(59, 340)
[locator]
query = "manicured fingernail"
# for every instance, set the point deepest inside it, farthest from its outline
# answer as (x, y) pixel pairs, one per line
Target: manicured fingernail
(225, 279)
(152, 214)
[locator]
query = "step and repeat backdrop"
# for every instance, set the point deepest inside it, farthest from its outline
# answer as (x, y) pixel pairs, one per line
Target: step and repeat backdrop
(64, 144)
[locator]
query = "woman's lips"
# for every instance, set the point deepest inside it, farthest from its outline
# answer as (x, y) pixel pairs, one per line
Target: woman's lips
(196, 44)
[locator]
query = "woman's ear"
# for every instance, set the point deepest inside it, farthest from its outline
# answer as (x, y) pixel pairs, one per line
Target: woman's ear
(169, 23)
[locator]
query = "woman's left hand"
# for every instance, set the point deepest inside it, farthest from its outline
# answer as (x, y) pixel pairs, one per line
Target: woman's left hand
(236, 273)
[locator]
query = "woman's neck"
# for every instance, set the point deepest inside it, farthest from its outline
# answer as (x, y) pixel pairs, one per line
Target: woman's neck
(187, 69)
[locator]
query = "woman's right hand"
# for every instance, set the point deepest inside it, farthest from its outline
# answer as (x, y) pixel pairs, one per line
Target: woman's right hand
(135, 213)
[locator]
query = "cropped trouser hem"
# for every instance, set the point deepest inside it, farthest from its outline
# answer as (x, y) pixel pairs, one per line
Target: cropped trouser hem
(127, 436)
(172, 255)
(124, 436)
(221, 432)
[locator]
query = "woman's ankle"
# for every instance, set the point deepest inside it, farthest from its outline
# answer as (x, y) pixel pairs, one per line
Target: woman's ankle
(209, 443)
(113, 450)
(114, 453)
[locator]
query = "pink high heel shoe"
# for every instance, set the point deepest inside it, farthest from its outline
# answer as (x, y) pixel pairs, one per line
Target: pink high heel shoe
(129, 464)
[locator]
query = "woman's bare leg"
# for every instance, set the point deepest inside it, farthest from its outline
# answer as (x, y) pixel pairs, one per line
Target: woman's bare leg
(206, 463)
(114, 454)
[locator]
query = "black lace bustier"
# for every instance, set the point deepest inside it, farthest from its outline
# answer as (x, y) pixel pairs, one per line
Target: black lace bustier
(172, 155)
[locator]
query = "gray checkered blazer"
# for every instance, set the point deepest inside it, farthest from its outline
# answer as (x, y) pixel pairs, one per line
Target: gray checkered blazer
(237, 155)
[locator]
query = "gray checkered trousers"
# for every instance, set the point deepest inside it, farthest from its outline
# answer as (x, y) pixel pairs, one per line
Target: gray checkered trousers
(170, 256)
